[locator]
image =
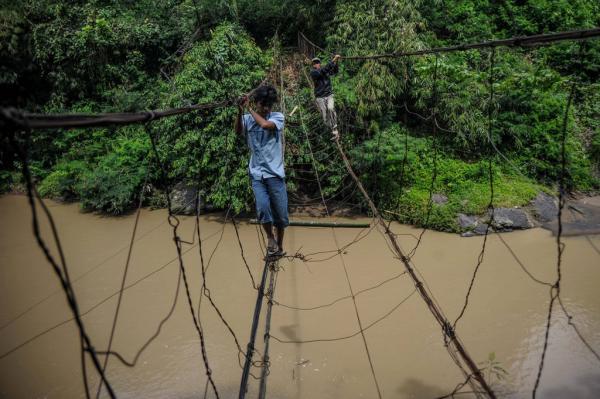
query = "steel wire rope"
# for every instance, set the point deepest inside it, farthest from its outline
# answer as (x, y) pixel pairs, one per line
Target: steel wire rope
(16, 118)
(360, 331)
(76, 279)
(563, 308)
(93, 307)
(174, 223)
(10, 115)
(589, 240)
(520, 263)
(204, 290)
(266, 363)
(490, 207)
(163, 321)
(434, 143)
(458, 387)
(345, 271)
(334, 252)
(158, 331)
(449, 334)
(133, 362)
(123, 280)
(61, 269)
(520, 41)
(331, 303)
(560, 246)
(574, 326)
(139, 352)
(432, 302)
(86, 385)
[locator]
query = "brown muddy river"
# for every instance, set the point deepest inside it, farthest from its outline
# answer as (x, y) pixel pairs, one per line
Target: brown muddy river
(506, 314)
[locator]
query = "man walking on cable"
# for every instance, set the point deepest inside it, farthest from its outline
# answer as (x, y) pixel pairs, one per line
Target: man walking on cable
(264, 134)
(324, 92)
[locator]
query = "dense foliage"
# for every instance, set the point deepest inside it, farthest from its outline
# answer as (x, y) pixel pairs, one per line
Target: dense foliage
(106, 56)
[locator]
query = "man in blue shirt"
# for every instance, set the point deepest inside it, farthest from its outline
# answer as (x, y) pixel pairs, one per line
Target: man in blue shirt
(264, 134)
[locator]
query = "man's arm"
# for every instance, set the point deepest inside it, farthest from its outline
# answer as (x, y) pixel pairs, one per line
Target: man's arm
(262, 122)
(333, 65)
(239, 125)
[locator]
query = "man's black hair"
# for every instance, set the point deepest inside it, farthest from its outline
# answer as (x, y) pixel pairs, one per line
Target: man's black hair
(266, 95)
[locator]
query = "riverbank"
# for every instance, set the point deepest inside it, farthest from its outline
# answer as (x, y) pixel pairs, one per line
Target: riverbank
(581, 214)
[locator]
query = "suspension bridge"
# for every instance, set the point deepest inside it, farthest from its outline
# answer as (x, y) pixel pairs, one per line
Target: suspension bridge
(18, 124)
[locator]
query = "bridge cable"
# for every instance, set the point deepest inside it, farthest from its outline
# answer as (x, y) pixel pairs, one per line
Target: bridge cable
(60, 270)
(490, 207)
(364, 339)
(448, 331)
(560, 246)
(124, 279)
(174, 223)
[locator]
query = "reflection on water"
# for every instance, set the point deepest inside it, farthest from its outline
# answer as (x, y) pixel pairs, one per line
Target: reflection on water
(506, 314)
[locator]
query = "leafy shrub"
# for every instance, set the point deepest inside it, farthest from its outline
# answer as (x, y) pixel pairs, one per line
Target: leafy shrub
(7, 180)
(203, 146)
(64, 180)
(465, 184)
(115, 182)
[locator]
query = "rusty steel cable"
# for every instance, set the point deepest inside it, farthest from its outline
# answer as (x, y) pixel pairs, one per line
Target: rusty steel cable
(520, 41)
(123, 280)
(59, 267)
(148, 342)
(434, 143)
(343, 263)
(174, 223)
(333, 302)
(560, 246)
(450, 335)
(250, 348)
(490, 207)
(273, 273)
(76, 279)
(361, 330)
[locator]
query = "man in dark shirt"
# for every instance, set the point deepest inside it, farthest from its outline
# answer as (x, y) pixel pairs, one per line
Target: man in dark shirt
(324, 92)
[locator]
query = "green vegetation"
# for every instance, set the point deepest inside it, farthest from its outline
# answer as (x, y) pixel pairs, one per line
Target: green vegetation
(99, 56)
(465, 184)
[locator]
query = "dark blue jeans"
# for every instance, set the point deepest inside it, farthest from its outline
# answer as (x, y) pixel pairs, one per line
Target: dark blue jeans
(271, 201)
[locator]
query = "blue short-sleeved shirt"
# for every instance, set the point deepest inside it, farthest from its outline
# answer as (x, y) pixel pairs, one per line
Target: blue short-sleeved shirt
(266, 147)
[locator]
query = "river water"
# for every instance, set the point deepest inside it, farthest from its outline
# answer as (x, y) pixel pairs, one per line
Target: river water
(506, 314)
